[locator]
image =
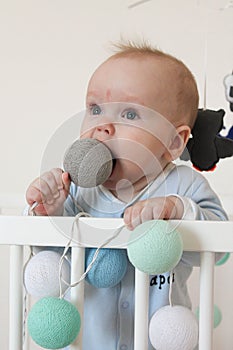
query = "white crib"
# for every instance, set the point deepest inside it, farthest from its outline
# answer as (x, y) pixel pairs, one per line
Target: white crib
(206, 237)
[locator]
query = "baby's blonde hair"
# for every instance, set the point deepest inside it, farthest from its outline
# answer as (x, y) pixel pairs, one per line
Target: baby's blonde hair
(187, 97)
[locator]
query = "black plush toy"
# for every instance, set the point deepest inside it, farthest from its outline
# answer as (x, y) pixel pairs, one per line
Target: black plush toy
(206, 146)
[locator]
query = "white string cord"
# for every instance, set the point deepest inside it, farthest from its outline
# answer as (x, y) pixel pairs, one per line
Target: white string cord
(205, 58)
(72, 240)
(25, 313)
(137, 3)
(69, 285)
(170, 290)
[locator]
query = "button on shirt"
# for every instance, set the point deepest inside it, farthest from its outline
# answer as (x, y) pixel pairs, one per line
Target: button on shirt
(125, 305)
(123, 347)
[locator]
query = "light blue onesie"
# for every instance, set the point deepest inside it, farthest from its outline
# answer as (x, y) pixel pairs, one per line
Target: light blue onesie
(109, 312)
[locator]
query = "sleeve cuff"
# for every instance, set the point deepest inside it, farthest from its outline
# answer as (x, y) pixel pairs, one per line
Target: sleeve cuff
(190, 212)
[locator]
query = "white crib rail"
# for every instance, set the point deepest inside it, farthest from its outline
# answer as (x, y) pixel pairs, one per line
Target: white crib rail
(206, 237)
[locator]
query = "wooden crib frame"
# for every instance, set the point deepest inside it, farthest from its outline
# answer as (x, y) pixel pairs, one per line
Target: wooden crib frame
(206, 237)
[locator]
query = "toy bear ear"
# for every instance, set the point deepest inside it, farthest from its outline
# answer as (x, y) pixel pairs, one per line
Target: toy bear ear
(206, 147)
(208, 123)
(224, 147)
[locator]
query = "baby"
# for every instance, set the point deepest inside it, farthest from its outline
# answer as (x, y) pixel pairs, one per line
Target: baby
(141, 103)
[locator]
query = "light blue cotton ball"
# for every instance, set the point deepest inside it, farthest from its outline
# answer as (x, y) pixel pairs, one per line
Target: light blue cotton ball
(155, 247)
(53, 323)
(108, 269)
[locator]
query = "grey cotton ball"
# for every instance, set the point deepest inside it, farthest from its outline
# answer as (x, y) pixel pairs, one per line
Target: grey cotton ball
(89, 162)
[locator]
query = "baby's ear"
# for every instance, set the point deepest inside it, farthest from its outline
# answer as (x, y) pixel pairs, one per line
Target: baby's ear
(179, 141)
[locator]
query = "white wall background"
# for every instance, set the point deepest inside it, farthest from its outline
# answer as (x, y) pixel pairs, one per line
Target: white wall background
(49, 49)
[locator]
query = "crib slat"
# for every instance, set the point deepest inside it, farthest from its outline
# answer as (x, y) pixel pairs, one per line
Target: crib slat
(77, 293)
(206, 301)
(141, 310)
(16, 298)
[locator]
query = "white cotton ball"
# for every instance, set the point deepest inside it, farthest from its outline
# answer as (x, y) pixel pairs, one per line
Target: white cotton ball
(173, 328)
(41, 275)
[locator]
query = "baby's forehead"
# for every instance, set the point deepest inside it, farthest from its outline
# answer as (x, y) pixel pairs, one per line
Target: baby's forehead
(139, 59)
(151, 79)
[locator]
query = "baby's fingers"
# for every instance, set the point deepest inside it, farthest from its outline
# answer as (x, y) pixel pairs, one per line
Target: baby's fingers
(132, 217)
(34, 194)
(39, 192)
(51, 183)
(48, 189)
(66, 182)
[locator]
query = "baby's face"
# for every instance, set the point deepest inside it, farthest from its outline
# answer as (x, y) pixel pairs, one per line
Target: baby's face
(123, 109)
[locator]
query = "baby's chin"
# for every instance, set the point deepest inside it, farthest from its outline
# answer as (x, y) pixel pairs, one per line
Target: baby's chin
(123, 189)
(115, 183)
(127, 176)
(109, 185)
(123, 185)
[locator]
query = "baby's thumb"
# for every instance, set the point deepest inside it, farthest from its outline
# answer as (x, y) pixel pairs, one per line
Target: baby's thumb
(66, 182)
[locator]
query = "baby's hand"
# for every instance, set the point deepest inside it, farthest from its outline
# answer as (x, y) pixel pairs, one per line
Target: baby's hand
(170, 207)
(50, 190)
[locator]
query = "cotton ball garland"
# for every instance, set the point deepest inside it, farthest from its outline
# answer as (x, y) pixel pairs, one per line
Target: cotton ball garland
(155, 247)
(217, 315)
(41, 275)
(173, 328)
(89, 162)
(53, 323)
(223, 260)
(108, 269)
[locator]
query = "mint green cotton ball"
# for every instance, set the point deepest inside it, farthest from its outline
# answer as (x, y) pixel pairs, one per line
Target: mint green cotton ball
(155, 247)
(53, 323)
(223, 260)
(217, 317)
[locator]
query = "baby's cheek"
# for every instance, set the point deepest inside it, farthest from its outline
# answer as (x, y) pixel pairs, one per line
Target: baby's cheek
(86, 133)
(86, 129)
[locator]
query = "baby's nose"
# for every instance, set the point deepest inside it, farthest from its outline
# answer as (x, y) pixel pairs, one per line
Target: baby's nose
(106, 128)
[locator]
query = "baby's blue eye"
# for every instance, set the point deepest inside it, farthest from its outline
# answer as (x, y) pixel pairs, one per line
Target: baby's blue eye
(130, 115)
(96, 110)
